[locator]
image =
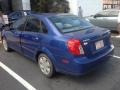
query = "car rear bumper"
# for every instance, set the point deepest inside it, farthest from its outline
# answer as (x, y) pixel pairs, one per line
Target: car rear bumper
(85, 65)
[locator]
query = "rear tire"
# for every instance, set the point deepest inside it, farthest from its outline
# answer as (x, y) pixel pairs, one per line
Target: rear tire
(46, 66)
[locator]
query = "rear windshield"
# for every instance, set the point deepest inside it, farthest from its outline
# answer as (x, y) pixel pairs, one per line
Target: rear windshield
(69, 23)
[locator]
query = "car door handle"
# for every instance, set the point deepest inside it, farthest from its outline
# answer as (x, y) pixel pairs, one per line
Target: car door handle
(35, 38)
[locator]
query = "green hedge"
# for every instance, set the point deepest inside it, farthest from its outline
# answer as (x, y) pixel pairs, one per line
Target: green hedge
(46, 6)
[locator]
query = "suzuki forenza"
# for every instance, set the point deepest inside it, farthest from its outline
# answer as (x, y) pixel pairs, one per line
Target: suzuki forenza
(59, 42)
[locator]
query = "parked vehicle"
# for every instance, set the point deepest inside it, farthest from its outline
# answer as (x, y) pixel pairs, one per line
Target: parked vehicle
(18, 14)
(59, 43)
(107, 19)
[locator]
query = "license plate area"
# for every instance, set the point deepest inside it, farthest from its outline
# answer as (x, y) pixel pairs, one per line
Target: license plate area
(99, 44)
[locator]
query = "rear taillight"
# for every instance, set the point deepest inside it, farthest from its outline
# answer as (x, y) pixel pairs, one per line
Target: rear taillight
(75, 47)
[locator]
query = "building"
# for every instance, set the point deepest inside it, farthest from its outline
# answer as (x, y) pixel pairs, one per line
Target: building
(77, 7)
(88, 7)
(8, 6)
(5, 6)
(108, 4)
(21, 4)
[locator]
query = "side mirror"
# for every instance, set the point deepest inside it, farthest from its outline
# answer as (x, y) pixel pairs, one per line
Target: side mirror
(95, 16)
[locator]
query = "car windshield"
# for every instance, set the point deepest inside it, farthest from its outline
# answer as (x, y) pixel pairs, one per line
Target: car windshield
(69, 23)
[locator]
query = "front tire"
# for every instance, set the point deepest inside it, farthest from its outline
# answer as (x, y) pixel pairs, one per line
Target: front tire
(5, 45)
(46, 66)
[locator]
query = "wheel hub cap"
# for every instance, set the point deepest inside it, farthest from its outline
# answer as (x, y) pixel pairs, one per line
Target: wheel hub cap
(44, 65)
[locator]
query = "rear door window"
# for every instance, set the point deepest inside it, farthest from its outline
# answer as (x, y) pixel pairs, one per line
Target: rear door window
(33, 25)
(113, 13)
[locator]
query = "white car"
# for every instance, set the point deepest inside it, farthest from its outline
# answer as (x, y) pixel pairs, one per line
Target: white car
(107, 19)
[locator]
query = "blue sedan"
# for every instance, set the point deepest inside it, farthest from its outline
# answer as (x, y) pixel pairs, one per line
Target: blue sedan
(59, 43)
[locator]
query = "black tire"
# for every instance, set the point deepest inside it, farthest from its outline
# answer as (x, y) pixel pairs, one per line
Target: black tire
(6, 47)
(51, 72)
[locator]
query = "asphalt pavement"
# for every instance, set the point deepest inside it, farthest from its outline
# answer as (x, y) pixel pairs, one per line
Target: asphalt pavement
(106, 77)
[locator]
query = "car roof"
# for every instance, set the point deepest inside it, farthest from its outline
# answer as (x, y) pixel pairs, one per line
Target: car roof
(51, 14)
(111, 10)
(22, 11)
(16, 11)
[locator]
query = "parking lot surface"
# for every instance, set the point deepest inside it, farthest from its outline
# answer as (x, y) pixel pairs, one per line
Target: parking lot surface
(106, 77)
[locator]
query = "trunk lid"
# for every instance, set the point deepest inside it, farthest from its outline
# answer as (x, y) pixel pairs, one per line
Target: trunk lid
(94, 40)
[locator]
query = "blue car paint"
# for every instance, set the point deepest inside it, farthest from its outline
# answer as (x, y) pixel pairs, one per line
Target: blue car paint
(54, 44)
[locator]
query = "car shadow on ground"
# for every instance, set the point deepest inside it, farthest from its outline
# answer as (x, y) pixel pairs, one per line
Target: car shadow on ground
(104, 74)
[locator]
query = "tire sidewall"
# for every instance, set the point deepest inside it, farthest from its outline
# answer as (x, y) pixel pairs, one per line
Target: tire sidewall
(7, 48)
(52, 70)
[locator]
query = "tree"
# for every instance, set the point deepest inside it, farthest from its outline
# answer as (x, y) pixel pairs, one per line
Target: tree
(50, 6)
